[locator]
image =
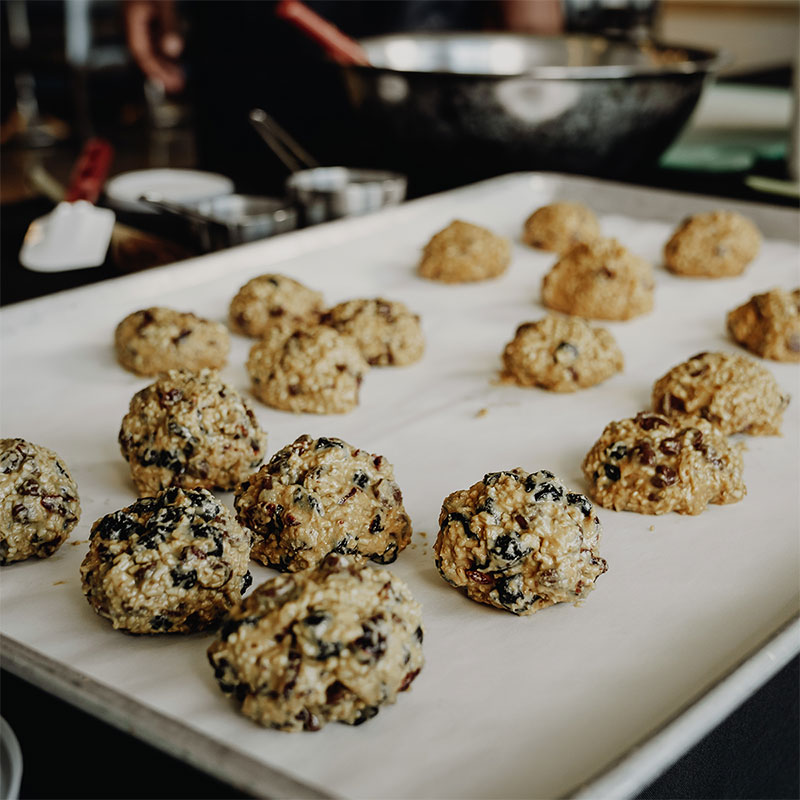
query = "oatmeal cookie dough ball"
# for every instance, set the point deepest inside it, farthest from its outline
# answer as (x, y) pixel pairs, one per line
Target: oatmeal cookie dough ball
(386, 332)
(464, 252)
(519, 541)
(733, 392)
(599, 280)
(716, 244)
(331, 644)
(190, 430)
(654, 465)
(269, 299)
(321, 495)
(156, 340)
(39, 504)
(562, 354)
(559, 226)
(769, 325)
(174, 563)
(316, 370)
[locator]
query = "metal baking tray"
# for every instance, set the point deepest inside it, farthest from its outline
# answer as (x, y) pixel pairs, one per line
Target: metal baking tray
(693, 614)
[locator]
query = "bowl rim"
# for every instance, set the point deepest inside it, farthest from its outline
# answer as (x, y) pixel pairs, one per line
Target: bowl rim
(699, 61)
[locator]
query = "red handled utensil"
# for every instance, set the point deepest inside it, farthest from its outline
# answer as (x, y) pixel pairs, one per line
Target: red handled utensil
(339, 46)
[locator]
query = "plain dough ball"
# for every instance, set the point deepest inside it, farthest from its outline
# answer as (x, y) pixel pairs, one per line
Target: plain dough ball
(156, 340)
(559, 226)
(464, 252)
(329, 644)
(561, 354)
(316, 370)
(769, 325)
(271, 299)
(39, 503)
(716, 244)
(190, 430)
(174, 563)
(519, 541)
(387, 333)
(654, 465)
(599, 280)
(733, 392)
(321, 495)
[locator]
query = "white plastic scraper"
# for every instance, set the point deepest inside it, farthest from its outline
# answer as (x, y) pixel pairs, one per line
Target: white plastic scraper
(76, 234)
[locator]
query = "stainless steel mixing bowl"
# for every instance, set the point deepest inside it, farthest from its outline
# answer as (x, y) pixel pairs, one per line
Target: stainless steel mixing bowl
(581, 103)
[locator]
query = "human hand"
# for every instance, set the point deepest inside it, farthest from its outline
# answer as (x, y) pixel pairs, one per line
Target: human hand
(151, 28)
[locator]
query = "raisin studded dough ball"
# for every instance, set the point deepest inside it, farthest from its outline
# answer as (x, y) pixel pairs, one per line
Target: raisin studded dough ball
(769, 325)
(329, 644)
(269, 299)
(190, 430)
(519, 541)
(562, 354)
(316, 370)
(38, 501)
(156, 340)
(559, 226)
(599, 280)
(716, 244)
(733, 392)
(654, 465)
(387, 333)
(321, 495)
(174, 563)
(464, 252)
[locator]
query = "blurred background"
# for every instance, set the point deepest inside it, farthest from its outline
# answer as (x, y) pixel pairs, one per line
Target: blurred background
(70, 72)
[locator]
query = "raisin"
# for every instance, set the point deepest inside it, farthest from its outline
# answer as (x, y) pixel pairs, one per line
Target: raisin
(29, 487)
(510, 594)
(19, 513)
(521, 521)
(419, 635)
(375, 526)
(323, 443)
(12, 460)
(408, 679)
(575, 499)
(647, 455)
(665, 476)
(247, 581)
(170, 397)
(478, 577)
(508, 548)
(361, 479)
(160, 623)
(151, 539)
(648, 421)
(671, 446)
(377, 461)
(335, 692)
(548, 490)
(388, 555)
(618, 451)
(612, 472)
(366, 713)
(487, 507)
(117, 527)
(371, 645)
(676, 403)
(565, 353)
(347, 496)
(492, 477)
(184, 579)
(697, 440)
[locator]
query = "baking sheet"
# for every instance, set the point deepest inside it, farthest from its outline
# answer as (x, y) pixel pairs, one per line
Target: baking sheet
(505, 706)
